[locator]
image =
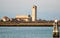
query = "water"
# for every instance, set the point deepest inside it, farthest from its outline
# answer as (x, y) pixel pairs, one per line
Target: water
(26, 32)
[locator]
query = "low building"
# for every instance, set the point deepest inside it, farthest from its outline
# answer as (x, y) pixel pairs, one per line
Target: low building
(12, 19)
(18, 19)
(5, 18)
(24, 18)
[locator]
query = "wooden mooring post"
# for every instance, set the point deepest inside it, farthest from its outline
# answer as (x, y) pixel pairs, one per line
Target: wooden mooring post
(55, 29)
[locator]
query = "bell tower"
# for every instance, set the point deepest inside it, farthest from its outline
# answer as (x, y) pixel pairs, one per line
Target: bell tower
(34, 13)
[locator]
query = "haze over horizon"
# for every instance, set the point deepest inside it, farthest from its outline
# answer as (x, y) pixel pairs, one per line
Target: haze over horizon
(46, 9)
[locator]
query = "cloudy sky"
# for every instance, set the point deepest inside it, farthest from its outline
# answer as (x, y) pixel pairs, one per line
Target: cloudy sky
(46, 9)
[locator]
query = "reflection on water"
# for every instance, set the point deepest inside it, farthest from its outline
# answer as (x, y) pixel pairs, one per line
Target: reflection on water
(26, 32)
(55, 37)
(55, 34)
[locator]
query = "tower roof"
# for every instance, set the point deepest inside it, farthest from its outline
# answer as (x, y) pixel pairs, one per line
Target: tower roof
(34, 6)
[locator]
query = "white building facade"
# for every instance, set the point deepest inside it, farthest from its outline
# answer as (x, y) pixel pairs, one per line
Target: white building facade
(24, 18)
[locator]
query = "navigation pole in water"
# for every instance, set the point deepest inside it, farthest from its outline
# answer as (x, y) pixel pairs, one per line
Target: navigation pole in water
(55, 29)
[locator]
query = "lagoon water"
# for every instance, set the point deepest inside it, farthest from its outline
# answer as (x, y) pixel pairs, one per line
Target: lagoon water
(26, 32)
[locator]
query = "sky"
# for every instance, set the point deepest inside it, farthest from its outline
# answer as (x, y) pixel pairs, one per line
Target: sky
(46, 9)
